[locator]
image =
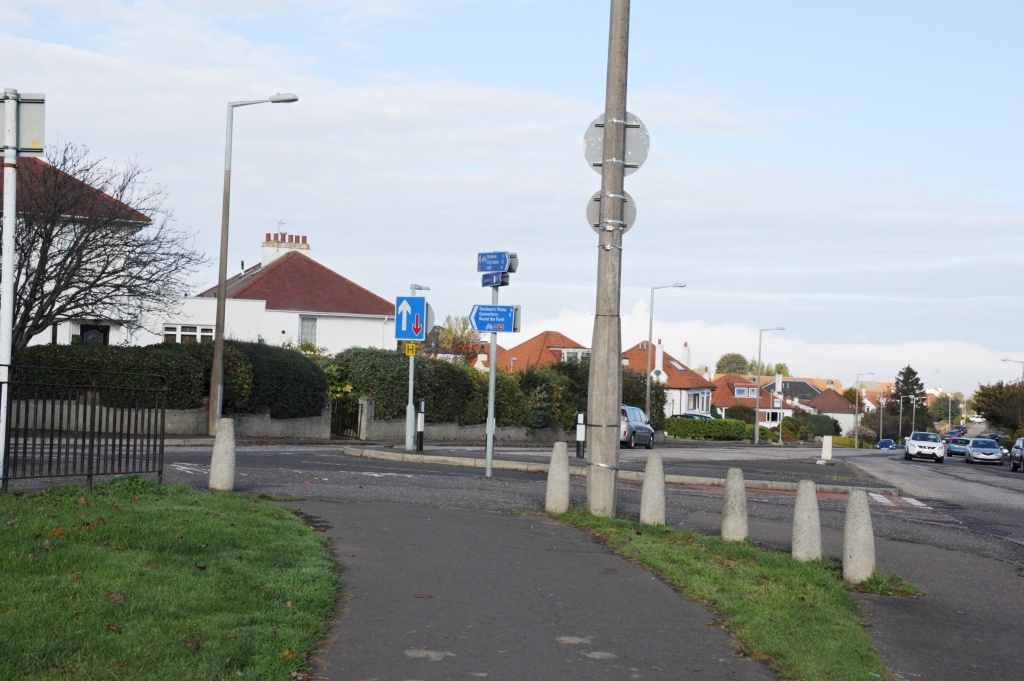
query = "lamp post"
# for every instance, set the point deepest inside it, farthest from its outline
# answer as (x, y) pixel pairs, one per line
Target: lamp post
(1021, 363)
(856, 413)
(650, 338)
(217, 370)
(913, 416)
(902, 397)
(881, 413)
(757, 408)
(410, 408)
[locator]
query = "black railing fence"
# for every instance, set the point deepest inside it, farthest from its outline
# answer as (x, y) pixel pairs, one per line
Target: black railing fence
(82, 423)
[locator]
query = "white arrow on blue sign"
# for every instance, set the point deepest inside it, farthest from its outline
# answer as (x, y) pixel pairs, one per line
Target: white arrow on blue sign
(494, 318)
(410, 318)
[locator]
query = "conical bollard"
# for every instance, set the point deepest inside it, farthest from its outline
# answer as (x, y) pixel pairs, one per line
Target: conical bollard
(557, 499)
(652, 497)
(806, 523)
(222, 464)
(734, 508)
(858, 539)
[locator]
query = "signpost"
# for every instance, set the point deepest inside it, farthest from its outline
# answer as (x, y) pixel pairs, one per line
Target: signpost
(494, 318)
(413, 318)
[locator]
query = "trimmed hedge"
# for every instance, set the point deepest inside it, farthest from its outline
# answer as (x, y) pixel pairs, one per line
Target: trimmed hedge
(285, 383)
(707, 429)
(184, 373)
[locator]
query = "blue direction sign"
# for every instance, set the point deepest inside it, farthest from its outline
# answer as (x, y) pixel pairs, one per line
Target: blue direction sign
(494, 279)
(498, 261)
(494, 318)
(410, 318)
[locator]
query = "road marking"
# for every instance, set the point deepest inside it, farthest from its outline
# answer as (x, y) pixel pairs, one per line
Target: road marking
(915, 502)
(880, 499)
(191, 468)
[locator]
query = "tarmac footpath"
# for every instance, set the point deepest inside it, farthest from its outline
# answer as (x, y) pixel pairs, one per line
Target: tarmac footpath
(441, 593)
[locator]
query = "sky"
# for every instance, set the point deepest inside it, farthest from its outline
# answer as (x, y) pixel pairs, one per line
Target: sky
(850, 171)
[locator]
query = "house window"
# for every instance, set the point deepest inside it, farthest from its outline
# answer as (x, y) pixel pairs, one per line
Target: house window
(575, 355)
(741, 392)
(693, 401)
(175, 333)
(95, 334)
(307, 330)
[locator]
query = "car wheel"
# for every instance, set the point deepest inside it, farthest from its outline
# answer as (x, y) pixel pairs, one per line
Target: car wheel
(1013, 465)
(941, 459)
(967, 457)
(906, 455)
(650, 442)
(632, 441)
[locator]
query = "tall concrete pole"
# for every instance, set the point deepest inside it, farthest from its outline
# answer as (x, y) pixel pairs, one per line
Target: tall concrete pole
(10, 219)
(605, 396)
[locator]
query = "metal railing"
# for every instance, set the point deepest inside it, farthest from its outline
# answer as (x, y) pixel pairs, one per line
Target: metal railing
(82, 423)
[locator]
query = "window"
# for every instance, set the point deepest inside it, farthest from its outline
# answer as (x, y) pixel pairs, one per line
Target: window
(575, 355)
(175, 333)
(743, 392)
(307, 330)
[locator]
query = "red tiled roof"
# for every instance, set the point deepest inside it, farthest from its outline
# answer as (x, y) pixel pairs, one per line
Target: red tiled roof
(43, 189)
(677, 379)
(295, 282)
(541, 350)
(831, 402)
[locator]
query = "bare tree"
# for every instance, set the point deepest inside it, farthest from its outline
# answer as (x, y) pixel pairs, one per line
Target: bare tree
(94, 241)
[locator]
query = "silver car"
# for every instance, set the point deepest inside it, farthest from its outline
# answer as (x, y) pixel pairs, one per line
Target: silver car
(983, 449)
(636, 428)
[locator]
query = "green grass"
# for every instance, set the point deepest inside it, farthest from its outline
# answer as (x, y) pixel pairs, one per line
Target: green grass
(135, 581)
(800, 617)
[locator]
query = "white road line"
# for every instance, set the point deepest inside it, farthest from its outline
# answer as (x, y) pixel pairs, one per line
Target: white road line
(915, 502)
(880, 499)
(191, 468)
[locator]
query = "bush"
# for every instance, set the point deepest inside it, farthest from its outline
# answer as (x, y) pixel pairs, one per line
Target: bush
(740, 412)
(183, 372)
(708, 429)
(238, 379)
(285, 383)
(821, 424)
(767, 434)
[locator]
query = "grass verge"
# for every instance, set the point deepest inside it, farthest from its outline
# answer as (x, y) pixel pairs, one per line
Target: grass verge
(136, 581)
(800, 617)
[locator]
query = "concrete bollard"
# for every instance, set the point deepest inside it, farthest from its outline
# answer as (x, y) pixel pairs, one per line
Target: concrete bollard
(826, 450)
(557, 499)
(222, 463)
(806, 523)
(734, 507)
(652, 497)
(858, 539)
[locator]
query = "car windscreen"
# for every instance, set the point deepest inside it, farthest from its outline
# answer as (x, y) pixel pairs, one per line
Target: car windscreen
(984, 444)
(925, 437)
(960, 441)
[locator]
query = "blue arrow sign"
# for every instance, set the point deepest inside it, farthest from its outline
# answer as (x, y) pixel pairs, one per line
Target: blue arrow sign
(410, 318)
(494, 279)
(492, 262)
(494, 318)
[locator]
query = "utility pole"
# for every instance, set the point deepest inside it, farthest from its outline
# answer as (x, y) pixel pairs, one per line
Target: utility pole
(605, 396)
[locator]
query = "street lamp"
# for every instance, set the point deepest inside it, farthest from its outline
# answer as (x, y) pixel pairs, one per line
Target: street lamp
(856, 413)
(904, 397)
(217, 370)
(757, 408)
(1021, 362)
(650, 338)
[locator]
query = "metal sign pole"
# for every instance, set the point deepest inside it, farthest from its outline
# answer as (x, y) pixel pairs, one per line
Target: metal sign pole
(492, 361)
(7, 259)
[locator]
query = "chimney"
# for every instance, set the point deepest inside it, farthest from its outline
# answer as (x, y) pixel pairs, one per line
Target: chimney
(279, 243)
(686, 354)
(830, 386)
(659, 363)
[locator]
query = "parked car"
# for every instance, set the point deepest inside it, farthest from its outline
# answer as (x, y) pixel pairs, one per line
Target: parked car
(983, 449)
(947, 436)
(885, 444)
(691, 416)
(636, 428)
(1017, 455)
(926, 446)
(957, 446)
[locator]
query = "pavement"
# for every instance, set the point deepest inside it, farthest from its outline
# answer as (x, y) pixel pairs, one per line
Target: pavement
(435, 593)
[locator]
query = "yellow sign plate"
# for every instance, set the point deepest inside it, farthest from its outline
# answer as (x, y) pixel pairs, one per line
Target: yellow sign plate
(410, 349)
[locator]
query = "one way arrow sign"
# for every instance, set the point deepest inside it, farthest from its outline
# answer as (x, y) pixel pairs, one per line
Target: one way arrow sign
(412, 318)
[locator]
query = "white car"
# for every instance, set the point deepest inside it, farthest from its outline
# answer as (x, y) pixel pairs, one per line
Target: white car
(926, 446)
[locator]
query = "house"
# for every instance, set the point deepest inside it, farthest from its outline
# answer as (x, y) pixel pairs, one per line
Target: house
(736, 389)
(287, 298)
(831, 403)
(686, 391)
(545, 348)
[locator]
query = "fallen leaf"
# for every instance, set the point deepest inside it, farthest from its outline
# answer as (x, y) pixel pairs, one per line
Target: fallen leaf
(288, 655)
(76, 575)
(351, 555)
(56, 532)
(90, 527)
(201, 567)
(288, 604)
(423, 596)
(115, 597)
(114, 628)
(82, 501)
(232, 636)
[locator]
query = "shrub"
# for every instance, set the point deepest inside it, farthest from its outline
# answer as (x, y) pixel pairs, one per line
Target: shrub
(767, 435)
(285, 383)
(183, 372)
(707, 429)
(237, 374)
(740, 412)
(821, 424)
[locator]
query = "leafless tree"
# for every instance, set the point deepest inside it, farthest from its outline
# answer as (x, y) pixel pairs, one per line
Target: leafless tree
(94, 241)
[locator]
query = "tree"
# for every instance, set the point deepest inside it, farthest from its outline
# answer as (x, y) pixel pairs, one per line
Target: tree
(94, 241)
(455, 336)
(732, 363)
(947, 407)
(908, 384)
(1002, 404)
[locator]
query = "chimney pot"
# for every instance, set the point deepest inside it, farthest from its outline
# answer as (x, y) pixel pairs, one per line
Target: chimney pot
(303, 239)
(268, 236)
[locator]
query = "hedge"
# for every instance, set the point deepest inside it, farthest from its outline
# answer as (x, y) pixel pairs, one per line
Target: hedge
(285, 383)
(707, 429)
(184, 373)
